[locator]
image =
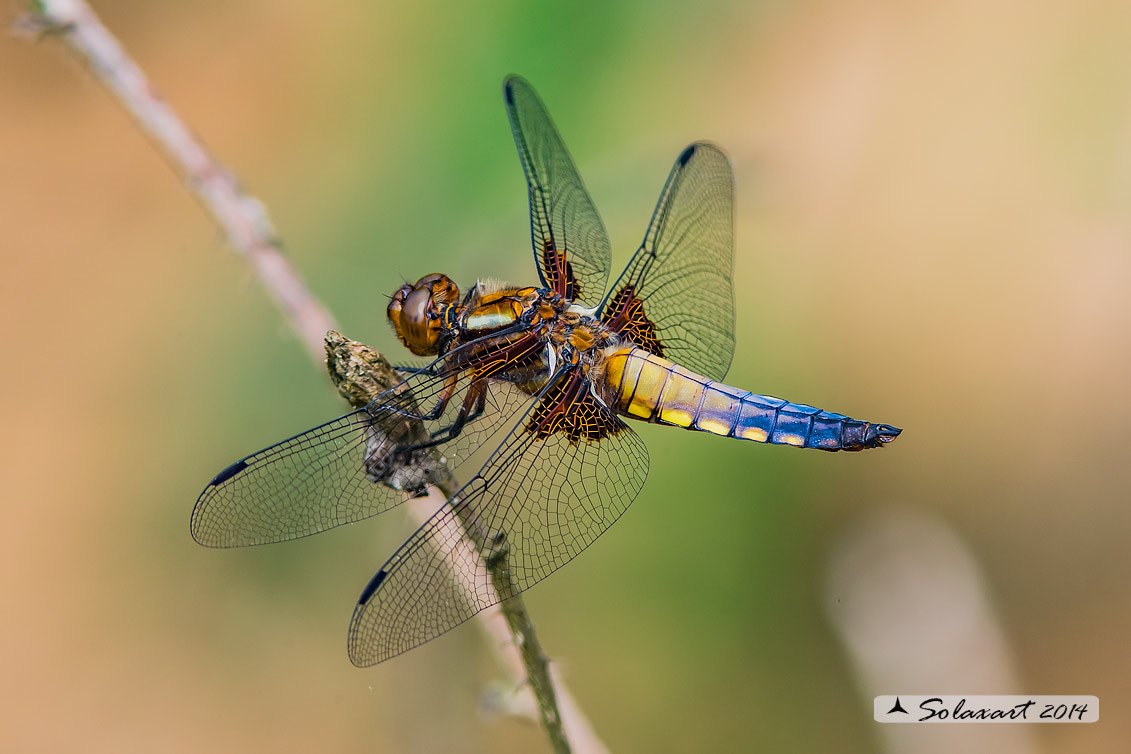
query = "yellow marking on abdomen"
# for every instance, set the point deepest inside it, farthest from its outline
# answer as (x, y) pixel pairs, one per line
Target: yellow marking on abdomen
(718, 411)
(753, 433)
(680, 398)
(654, 389)
(649, 385)
(637, 377)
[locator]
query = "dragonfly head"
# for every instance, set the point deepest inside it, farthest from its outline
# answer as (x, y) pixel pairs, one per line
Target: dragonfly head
(421, 312)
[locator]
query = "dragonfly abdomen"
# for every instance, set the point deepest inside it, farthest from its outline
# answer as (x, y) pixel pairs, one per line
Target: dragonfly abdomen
(653, 389)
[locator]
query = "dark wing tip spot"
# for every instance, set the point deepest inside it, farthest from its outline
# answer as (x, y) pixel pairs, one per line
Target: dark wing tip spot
(371, 587)
(228, 473)
(685, 155)
(508, 89)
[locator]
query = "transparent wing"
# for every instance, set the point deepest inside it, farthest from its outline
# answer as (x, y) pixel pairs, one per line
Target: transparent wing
(537, 502)
(570, 244)
(676, 298)
(356, 466)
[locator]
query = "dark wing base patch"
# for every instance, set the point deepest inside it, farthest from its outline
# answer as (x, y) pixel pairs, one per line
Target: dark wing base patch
(571, 409)
(625, 315)
(559, 272)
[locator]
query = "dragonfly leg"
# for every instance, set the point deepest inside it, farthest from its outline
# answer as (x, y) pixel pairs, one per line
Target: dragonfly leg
(471, 409)
(442, 403)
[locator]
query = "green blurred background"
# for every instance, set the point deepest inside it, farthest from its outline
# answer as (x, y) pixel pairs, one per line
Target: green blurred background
(933, 207)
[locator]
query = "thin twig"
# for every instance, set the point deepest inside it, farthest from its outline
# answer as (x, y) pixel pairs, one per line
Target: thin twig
(361, 374)
(245, 221)
(243, 217)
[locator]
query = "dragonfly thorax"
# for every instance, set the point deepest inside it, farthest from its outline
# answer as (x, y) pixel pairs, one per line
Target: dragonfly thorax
(491, 307)
(579, 338)
(526, 334)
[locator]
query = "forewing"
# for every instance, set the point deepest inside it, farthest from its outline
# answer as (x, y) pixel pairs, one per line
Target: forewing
(350, 468)
(676, 298)
(570, 244)
(537, 502)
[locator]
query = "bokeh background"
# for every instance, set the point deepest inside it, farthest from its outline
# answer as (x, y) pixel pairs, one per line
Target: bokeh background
(933, 213)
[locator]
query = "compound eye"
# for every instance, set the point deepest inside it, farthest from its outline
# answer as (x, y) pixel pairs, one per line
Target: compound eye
(396, 305)
(402, 294)
(416, 321)
(416, 308)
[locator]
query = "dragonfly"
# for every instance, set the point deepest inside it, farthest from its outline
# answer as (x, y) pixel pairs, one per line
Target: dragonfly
(544, 381)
